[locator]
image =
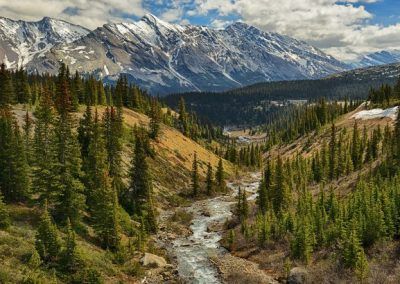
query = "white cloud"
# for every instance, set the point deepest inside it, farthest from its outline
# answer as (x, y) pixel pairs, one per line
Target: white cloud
(342, 29)
(339, 28)
(88, 13)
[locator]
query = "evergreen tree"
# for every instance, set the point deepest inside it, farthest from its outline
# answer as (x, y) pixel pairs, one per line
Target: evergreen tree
(45, 180)
(352, 250)
(245, 206)
(262, 198)
(63, 100)
(263, 229)
(105, 214)
(22, 88)
(302, 245)
(47, 241)
(396, 139)
(220, 176)
(4, 216)
(7, 94)
(85, 132)
(356, 147)
(70, 202)
(195, 176)
(140, 192)
(209, 180)
(27, 137)
(71, 260)
(14, 169)
(183, 117)
(113, 131)
(332, 153)
(280, 194)
(155, 120)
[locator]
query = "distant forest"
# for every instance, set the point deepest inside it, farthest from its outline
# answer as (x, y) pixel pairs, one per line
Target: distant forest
(252, 105)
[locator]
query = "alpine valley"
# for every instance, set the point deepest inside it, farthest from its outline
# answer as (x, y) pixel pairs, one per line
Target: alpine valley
(162, 57)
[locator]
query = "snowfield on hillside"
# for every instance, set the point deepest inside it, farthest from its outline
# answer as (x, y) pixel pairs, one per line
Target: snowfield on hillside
(376, 113)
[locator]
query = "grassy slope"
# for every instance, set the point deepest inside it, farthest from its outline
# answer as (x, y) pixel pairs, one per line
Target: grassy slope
(171, 179)
(323, 266)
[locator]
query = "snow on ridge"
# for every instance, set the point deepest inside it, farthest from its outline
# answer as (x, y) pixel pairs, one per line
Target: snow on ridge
(377, 113)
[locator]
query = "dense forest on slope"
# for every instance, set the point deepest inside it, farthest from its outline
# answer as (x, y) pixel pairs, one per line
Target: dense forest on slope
(328, 200)
(253, 105)
(78, 191)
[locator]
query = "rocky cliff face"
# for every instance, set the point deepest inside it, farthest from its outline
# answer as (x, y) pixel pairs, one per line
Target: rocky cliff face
(22, 42)
(378, 58)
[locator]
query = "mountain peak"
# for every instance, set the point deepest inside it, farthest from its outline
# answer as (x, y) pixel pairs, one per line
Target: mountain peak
(239, 25)
(154, 20)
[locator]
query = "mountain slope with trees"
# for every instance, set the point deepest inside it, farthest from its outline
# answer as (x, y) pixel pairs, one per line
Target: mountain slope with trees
(327, 204)
(85, 171)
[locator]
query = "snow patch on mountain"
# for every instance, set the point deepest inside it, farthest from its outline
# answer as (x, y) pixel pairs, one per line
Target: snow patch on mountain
(165, 58)
(378, 58)
(23, 41)
(377, 113)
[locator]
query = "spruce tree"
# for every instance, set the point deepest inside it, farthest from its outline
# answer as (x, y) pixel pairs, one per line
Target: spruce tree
(356, 147)
(70, 202)
(140, 192)
(85, 130)
(71, 260)
(27, 137)
(396, 139)
(4, 216)
(332, 153)
(45, 180)
(22, 88)
(302, 245)
(209, 180)
(280, 191)
(105, 213)
(245, 206)
(113, 131)
(195, 176)
(7, 94)
(47, 242)
(262, 198)
(220, 176)
(155, 120)
(183, 117)
(14, 169)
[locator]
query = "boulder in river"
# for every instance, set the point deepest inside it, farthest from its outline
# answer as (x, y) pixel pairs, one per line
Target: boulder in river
(150, 259)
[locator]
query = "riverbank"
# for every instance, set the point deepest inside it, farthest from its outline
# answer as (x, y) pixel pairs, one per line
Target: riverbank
(195, 251)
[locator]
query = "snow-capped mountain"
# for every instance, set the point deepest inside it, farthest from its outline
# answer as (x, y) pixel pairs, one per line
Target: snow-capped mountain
(388, 73)
(165, 58)
(378, 58)
(21, 42)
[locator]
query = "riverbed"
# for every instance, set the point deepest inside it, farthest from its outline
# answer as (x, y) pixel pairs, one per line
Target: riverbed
(193, 252)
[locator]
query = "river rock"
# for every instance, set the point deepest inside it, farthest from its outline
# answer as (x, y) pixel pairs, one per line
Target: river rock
(150, 259)
(214, 227)
(297, 275)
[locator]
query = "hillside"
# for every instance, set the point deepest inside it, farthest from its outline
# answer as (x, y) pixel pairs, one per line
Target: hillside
(295, 241)
(170, 170)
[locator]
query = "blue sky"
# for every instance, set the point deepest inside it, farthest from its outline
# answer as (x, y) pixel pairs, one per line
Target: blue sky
(385, 12)
(346, 29)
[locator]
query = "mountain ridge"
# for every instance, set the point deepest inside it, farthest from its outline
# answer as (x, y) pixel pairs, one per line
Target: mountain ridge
(163, 58)
(378, 58)
(23, 41)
